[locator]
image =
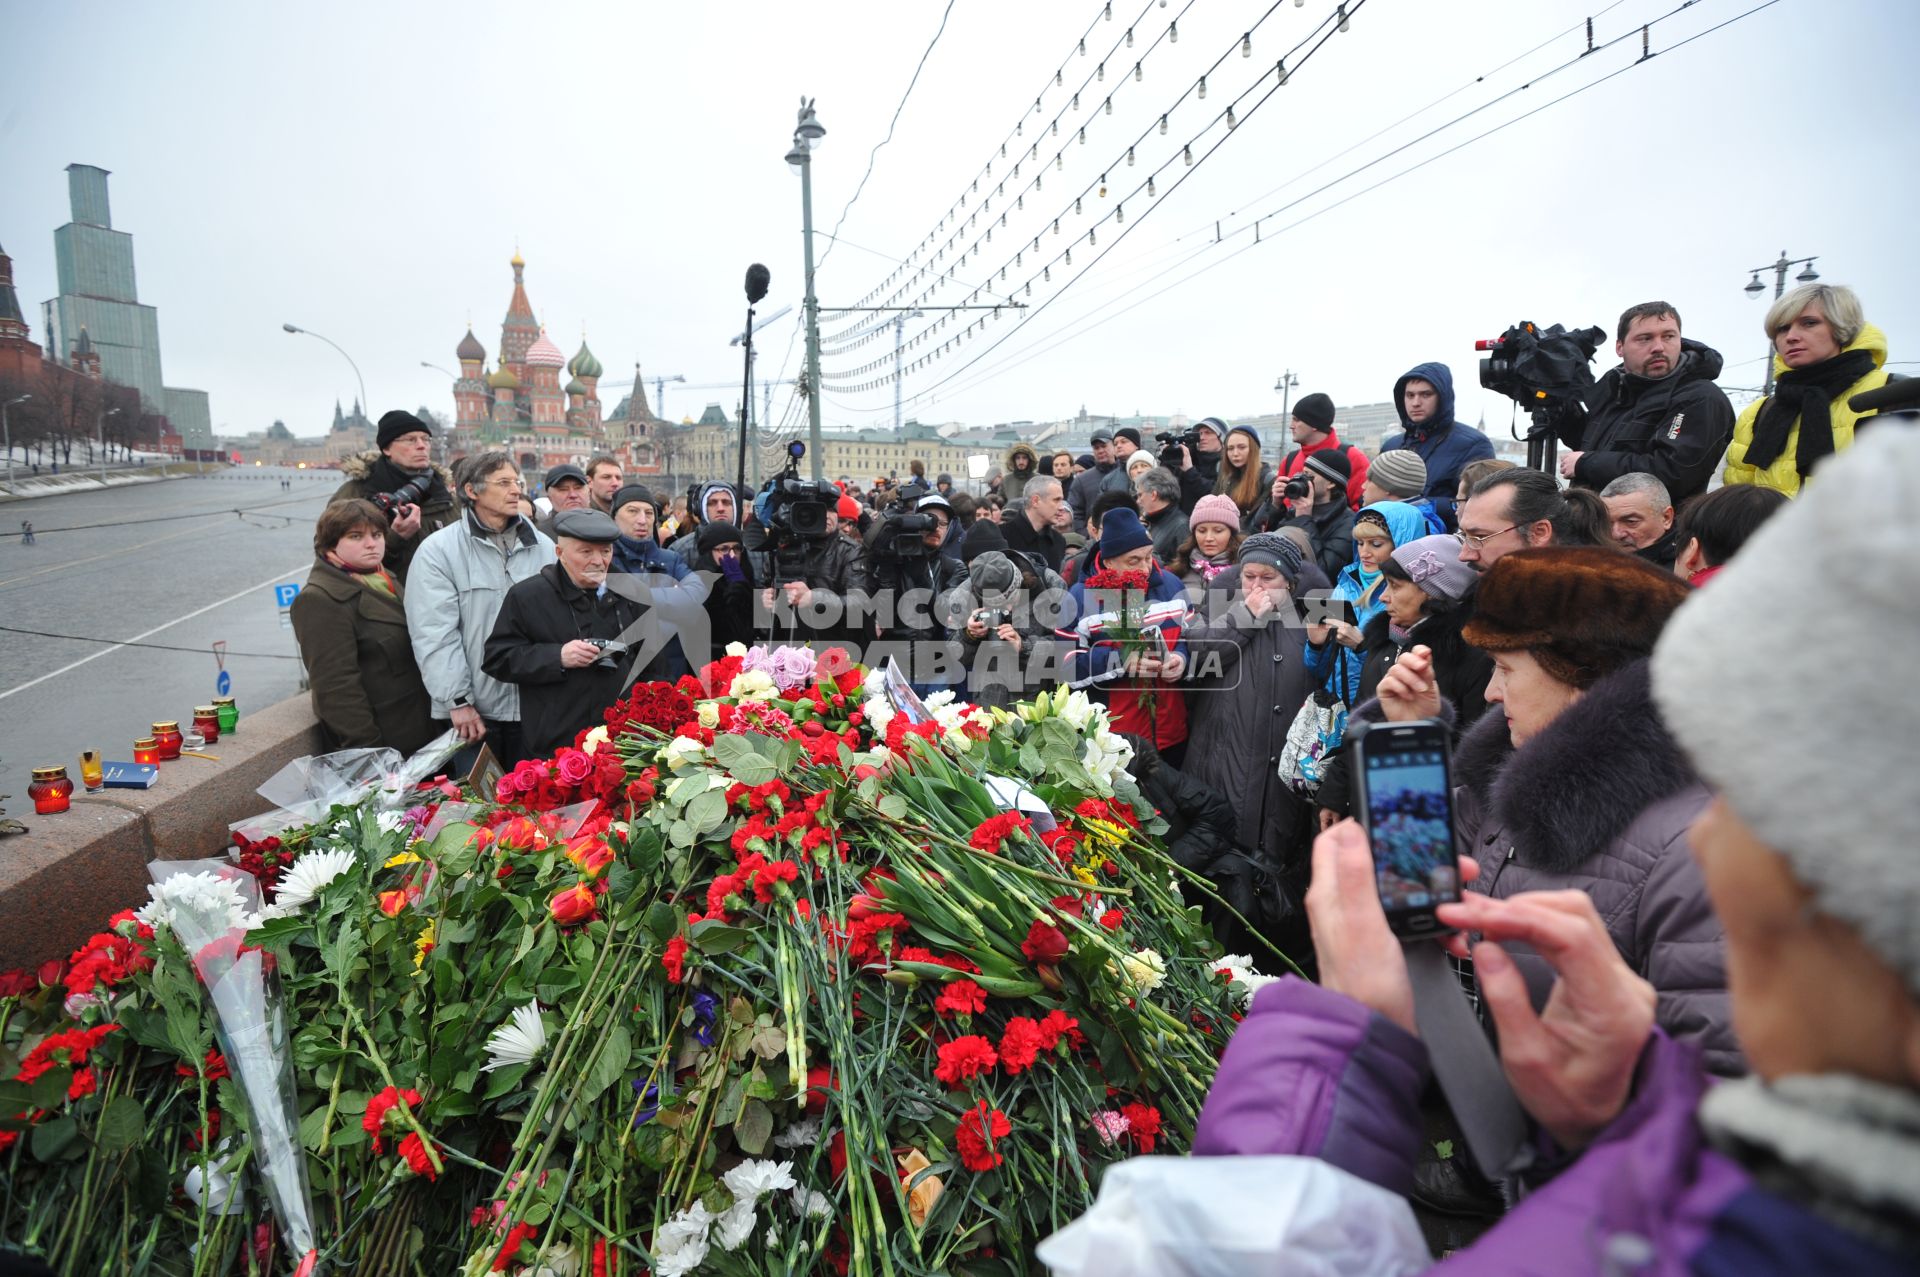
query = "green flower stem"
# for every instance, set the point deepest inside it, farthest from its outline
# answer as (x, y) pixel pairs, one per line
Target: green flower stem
(333, 1097)
(379, 1062)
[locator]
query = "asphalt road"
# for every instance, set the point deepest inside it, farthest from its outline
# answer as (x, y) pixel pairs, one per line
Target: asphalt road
(167, 564)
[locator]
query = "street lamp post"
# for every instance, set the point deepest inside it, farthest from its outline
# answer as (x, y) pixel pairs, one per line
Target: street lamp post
(1285, 386)
(365, 406)
(1754, 288)
(6, 429)
(807, 134)
(108, 412)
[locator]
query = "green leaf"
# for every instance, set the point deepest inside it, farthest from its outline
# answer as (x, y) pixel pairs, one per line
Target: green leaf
(123, 1123)
(753, 769)
(50, 1088)
(663, 921)
(707, 812)
(714, 936)
(56, 1139)
(1443, 1149)
(892, 806)
(452, 849)
(753, 1128)
(312, 1127)
(680, 834)
(609, 1066)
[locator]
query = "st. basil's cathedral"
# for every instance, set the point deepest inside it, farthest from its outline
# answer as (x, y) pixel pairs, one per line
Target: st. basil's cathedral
(522, 407)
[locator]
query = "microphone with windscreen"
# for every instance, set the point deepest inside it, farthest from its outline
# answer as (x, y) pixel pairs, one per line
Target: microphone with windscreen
(758, 281)
(1902, 394)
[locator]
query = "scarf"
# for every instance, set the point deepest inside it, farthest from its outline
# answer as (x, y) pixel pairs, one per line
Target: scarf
(384, 476)
(1805, 395)
(375, 578)
(1208, 568)
(1843, 1147)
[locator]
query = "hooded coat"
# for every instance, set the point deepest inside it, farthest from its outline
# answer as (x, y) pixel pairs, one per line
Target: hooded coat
(1013, 483)
(1673, 428)
(1405, 524)
(370, 472)
(1248, 682)
(687, 546)
(1600, 801)
(1784, 475)
(1444, 444)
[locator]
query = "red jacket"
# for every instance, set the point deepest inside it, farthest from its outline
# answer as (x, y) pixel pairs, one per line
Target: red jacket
(1297, 460)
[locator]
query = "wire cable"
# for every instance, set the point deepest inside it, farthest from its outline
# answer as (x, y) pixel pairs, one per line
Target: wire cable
(875, 153)
(242, 511)
(157, 647)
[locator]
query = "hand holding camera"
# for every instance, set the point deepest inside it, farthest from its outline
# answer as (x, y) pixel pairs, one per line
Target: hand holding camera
(577, 654)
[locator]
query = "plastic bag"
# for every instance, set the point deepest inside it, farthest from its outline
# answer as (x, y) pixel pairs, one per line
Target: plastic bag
(1238, 1217)
(305, 789)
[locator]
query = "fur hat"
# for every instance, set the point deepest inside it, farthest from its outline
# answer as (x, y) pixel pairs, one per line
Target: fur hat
(1215, 507)
(1582, 612)
(1399, 473)
(1315, 410)
(1803, 738)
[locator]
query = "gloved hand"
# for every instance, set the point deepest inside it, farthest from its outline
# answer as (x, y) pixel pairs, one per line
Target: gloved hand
(733, 569)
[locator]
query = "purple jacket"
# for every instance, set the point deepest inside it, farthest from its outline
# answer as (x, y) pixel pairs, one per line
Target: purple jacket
(1314, 1073)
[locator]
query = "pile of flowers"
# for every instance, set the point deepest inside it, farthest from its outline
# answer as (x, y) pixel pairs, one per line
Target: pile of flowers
(777, 971)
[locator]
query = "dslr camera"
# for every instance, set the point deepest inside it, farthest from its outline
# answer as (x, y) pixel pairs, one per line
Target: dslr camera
(412, 492)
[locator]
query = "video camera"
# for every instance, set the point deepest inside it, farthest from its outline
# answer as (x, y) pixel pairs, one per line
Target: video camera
(1170, 445)
(901, 532)
(412, 492)
(1548, 372)
(795, 509)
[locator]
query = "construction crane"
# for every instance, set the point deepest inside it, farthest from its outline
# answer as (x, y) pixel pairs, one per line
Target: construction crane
(659, 389)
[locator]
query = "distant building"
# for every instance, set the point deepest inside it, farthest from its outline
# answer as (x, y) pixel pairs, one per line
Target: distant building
(1367, 425)
(98, 307)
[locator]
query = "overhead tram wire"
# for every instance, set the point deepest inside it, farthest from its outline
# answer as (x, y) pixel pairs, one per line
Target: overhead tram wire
(875, 153)
(1256, 225)
(1313, 43)
(1062, 339)
(1035, 185)
(158, 647)
(242, 511)
(958, 205)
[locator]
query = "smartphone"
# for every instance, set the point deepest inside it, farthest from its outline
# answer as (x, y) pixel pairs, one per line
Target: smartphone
(1323, 609)
(1404, 788)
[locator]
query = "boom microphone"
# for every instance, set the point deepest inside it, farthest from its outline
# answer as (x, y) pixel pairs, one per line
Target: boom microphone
(758, 280)
(1902, 394)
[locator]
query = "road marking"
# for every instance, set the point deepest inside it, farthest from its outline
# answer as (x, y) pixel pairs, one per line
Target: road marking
(107, 651)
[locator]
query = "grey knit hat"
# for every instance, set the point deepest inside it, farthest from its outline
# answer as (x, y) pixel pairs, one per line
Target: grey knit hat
(1274, 550)
(1809, 745)
(1433, 563)
(1399, 473)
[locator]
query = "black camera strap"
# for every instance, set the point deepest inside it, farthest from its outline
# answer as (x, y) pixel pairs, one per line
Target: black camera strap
(1465, 1065)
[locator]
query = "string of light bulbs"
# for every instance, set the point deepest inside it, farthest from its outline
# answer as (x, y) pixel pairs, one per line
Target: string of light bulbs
(1103, 318)
(1280, 74)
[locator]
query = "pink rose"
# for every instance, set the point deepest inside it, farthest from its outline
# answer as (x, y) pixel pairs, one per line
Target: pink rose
(573, 766)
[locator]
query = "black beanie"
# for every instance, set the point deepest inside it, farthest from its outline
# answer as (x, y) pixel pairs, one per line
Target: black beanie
(713, 535)
(396, 423)
(1331, 464)
(981, 538)
(1316, 410)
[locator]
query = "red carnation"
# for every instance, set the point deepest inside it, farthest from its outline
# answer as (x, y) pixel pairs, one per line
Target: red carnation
(1143, 1124)
(1112, 919)
(380, 1116)
(675, 959)
(510, 1248)
(977, 1134)
(1020, 1044)
(963, 1057)
(820, 1080)
(1059, 1027)
(961, 997)
(413, 1150)
(992, 833)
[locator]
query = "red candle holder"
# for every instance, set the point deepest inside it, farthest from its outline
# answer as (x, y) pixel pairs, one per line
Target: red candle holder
(51, 791)
(167, 736)
(146, 750)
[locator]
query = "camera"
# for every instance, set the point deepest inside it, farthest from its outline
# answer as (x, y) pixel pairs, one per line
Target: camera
(1548, 372)
(1170, 445)
(611, 650)
(1298, 488)
(794, 508)
(412, 492)
(993, 617)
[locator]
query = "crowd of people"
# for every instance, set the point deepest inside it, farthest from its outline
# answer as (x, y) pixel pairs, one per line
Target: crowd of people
(1240, 614)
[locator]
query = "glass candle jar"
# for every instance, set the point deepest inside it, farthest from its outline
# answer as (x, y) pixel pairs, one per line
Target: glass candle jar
(92, 774)
(206, 721)
(146, 750)
(51, 791)
(167, 736)
(228, 711)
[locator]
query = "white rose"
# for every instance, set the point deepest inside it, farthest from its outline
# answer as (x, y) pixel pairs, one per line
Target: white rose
(595, 739)
(709, 714)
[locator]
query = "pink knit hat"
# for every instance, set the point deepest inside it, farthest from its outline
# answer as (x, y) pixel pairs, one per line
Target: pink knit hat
(1215, 507)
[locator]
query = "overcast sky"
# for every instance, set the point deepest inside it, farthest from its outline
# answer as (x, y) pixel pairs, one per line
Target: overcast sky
(367, 170)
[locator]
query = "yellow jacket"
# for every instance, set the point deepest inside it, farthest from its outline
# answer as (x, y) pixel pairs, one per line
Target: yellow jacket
(1781, 475)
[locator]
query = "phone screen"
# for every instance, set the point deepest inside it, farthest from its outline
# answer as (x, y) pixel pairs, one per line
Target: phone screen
(1323, 609)
(1409, 814)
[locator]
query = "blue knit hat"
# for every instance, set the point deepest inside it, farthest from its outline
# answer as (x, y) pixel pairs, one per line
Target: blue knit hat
(1121, 531)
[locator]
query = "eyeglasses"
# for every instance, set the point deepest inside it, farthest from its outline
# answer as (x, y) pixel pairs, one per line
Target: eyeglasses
(511, 485)
(1480, 543)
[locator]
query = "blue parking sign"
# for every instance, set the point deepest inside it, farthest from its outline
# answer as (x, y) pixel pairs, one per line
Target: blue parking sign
(284, 594)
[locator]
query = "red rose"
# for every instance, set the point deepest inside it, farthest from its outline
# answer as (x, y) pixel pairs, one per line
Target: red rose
(574, 905)
(17, 983)
(1044, 943)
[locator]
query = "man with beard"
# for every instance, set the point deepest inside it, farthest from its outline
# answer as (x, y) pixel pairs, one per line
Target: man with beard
(404, 456)
(1658, 413)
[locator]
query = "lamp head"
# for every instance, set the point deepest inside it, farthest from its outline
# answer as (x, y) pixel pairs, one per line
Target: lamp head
(1808, 275)
(1754, 287)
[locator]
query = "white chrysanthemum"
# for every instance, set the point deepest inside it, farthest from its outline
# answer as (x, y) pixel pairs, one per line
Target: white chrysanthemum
(735, 1225)
(1243, 980)
(752, 1180)
(213, 904)
(1146, 970)
(301, 884)
(811, 1204)
(519, 1041)
(680, 1245)
(800, 1135)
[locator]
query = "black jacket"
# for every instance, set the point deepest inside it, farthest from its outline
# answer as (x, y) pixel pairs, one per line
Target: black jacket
(1331, 531)
(1675, 428)
(538, 617)
(1198, 480)
(1047, 542)
(934, 574)
(1169, 532)
(729, 607)
(371, 472)
(831, 568)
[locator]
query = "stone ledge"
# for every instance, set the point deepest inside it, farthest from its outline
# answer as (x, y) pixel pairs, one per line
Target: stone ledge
(63, 878)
